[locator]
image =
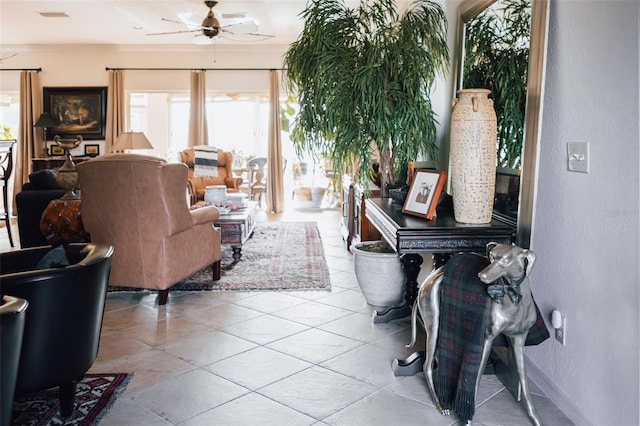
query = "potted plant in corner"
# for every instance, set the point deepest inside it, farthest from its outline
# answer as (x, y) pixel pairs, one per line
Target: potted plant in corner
(363, 78)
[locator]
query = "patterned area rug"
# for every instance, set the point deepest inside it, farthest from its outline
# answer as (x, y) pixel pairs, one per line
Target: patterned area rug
(279, 256)
(95, 395)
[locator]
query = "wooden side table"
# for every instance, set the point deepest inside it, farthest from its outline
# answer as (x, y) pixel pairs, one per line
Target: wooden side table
(62, 220)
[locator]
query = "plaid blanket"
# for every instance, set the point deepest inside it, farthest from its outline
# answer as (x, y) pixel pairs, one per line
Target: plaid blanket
(205, 160)
(465, 310)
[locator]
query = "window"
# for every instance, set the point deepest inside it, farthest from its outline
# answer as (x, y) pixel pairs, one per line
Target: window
(9, 115)
(236, 122)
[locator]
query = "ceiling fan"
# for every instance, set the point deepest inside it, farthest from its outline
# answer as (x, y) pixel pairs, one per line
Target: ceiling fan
(211, 28)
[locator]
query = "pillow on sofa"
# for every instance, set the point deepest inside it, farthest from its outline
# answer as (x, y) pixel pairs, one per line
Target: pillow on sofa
(44, 179)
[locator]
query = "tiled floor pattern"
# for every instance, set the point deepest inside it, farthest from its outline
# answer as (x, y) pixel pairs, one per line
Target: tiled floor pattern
(276, 358)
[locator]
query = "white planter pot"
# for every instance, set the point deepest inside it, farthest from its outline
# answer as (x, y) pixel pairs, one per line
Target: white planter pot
(380, 276)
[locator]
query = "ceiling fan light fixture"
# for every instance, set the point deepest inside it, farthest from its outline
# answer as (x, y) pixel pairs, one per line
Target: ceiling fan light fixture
(210, 25)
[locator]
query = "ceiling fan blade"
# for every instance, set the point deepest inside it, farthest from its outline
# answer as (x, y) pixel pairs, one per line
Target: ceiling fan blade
(177, 22)
(174, 32)
(241, 27)
(245, 37)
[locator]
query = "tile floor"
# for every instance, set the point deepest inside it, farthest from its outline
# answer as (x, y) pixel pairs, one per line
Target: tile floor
(276, 358)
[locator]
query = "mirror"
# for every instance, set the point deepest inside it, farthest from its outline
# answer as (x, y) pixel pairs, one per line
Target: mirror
(518, 146)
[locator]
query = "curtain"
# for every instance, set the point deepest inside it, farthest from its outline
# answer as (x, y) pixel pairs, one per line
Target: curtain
(30, 143)
(275, 185)
(198, 134)
(116, 102)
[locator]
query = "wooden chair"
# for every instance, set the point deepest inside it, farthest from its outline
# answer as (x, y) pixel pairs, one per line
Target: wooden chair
(6, 168)
(258, 178)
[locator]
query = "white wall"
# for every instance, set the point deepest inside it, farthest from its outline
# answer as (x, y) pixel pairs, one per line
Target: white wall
(586, 232)
(76, 65)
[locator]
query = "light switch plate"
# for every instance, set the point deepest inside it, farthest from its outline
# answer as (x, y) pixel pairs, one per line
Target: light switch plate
(578, 157)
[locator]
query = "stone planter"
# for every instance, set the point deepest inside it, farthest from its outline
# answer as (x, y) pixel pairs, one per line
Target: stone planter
(380, 275)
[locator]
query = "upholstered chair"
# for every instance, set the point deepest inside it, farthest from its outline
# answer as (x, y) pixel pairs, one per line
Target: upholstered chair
(138, 204)
(64, 316)
(198, 184)
(13, 312)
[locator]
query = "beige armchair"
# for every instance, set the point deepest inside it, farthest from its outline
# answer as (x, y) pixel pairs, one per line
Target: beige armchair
(138, 204)
(197, 184)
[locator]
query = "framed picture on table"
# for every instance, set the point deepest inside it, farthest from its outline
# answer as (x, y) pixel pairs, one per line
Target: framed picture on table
(91, 150)
(424, 192)
(77, 110)
(56, 151)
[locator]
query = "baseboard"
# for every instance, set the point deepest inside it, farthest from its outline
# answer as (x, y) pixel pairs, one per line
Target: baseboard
(552, 392)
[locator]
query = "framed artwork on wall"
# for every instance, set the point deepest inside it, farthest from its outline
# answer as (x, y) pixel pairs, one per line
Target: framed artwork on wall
(56, 150)
(91, 150)
(77, 110)
(424, 192)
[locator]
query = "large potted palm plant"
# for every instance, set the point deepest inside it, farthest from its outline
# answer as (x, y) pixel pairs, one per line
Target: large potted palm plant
(363, 77)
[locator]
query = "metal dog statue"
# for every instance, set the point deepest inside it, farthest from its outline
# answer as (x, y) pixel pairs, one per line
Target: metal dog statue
(512, 316)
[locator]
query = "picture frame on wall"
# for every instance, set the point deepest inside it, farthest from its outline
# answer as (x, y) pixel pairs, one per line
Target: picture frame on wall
(56, 151)
(91, 150)
(77, 110)
(424, 192)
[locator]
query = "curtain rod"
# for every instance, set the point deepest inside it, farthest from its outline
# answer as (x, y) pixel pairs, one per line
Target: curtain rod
(193, 69)
(21, 69)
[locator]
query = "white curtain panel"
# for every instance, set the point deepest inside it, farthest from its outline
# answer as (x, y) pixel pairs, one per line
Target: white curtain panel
(275, 185)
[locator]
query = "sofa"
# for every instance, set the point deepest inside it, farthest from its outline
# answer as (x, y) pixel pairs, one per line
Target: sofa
(138, 204)
(198, 184)
(31, 202)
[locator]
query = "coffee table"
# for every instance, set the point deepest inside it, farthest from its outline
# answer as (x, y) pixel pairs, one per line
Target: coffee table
(237, 226)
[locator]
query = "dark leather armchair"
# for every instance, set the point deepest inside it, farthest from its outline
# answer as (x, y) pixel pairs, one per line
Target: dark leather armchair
(12, 315)
(31, 202)
(66, 307)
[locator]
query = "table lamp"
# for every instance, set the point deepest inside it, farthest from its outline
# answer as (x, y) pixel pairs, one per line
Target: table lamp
(44, 121)
(127, 141)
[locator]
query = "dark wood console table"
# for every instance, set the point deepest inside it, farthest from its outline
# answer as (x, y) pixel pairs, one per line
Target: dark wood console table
(443, 236)
(52, 162)
(410, 236)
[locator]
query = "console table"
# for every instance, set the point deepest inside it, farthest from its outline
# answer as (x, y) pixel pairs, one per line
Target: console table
(443, 236)
(410, 236)
(52, 162)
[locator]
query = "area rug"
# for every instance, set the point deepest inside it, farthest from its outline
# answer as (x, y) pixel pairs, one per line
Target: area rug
(279, 256)
(95, 395)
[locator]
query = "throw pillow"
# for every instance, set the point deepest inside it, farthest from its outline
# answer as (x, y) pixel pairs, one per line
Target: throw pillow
(44, 179)
(54, 258)
(205, 160)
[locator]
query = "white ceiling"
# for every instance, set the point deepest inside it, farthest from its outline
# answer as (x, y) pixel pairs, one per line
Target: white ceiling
(103, 22)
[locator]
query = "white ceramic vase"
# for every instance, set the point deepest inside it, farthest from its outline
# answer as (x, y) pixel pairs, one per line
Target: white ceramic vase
(380, 276)
(473, 156)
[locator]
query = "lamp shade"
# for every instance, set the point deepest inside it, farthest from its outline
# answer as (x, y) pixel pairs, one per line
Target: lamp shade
(131, 140)
(45, 120)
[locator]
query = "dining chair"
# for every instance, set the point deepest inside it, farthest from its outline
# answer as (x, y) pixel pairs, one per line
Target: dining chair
(6, 168)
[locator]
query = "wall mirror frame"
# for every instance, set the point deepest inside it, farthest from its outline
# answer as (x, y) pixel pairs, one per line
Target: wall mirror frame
(468, 9)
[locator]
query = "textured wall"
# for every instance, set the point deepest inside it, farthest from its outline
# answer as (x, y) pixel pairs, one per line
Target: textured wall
(586, 225)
